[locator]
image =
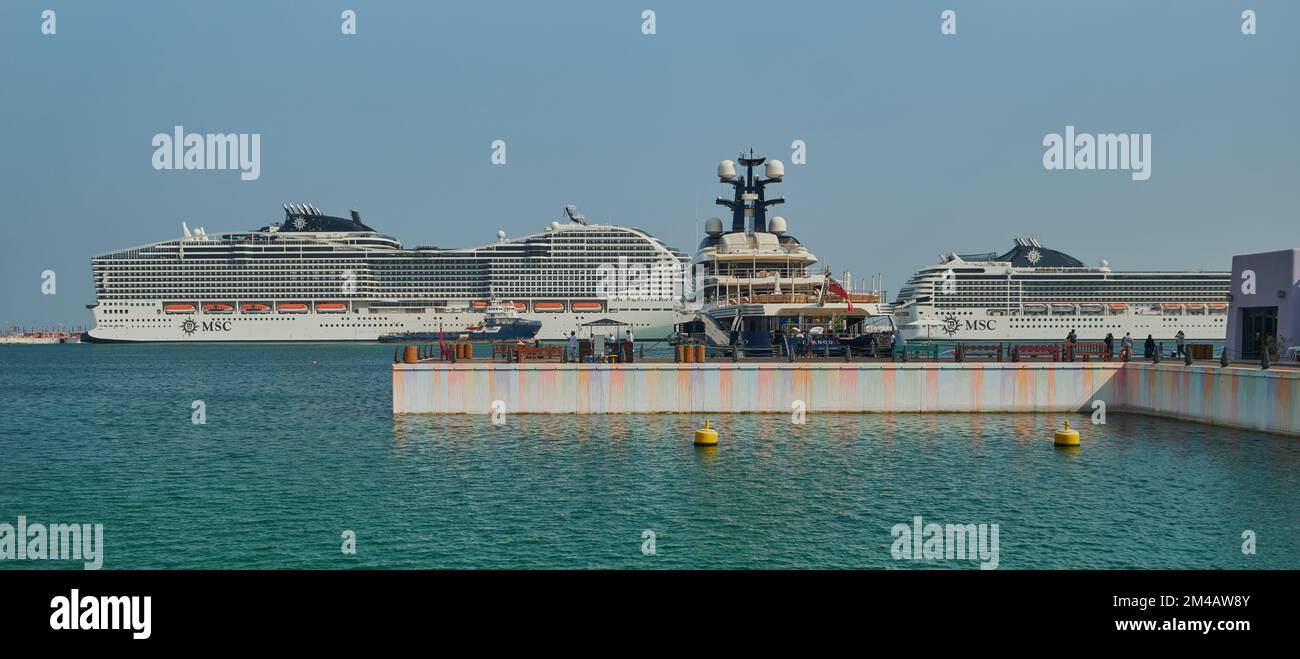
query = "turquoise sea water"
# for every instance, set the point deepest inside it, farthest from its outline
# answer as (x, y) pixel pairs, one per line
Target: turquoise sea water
(300, 445)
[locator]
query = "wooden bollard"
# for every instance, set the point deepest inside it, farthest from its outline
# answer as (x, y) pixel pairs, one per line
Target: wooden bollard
(412, 354)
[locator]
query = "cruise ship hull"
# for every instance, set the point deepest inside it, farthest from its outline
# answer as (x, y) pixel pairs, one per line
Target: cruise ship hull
(144, 325)
(981, 326)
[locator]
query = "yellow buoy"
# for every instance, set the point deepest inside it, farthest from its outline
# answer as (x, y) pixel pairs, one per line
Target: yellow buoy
(1066, 437)
(706, 436)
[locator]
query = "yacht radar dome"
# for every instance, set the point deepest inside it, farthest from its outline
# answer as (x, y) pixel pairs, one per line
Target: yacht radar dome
(776, 225)
(726, 170)
(713, 226)
(775, 169)
(501, 235)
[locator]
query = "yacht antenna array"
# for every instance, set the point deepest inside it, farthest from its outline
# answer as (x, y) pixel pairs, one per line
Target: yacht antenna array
(750, 192)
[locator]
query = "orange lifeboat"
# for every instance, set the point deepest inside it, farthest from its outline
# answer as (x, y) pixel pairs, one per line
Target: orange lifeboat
(331, 307)
(520, 306)
(479, 304)
(178, 308)
(293, 307)
(217, 307)
(1218, 307)
(548, 307)
(256, 307)
(587, 306)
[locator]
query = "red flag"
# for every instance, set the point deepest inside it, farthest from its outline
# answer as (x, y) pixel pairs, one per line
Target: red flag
(834, 287)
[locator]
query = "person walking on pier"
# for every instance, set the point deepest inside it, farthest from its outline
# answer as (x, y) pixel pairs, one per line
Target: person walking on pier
(1149, 348)
(1110, 344)
(1070, 340)
(573, 346)
(1180, 338)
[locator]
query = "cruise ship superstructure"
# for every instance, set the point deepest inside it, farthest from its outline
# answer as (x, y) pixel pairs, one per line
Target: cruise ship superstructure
(315, 277)
(1033, 293)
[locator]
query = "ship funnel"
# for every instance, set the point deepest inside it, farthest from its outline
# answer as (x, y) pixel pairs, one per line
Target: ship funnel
(186, 229)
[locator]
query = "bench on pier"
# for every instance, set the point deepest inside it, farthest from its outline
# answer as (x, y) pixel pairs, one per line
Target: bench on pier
(915, 351)
(1032, 352)
(965, 352)
(1089, 351)
(512, 352)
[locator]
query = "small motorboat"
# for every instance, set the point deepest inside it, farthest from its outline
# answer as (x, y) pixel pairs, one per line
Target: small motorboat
(498, 325)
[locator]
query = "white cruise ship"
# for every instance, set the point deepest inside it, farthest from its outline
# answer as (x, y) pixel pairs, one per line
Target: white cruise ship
(1033, 293)
(314, 277)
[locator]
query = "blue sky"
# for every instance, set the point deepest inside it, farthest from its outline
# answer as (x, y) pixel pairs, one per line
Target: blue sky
(917, 143)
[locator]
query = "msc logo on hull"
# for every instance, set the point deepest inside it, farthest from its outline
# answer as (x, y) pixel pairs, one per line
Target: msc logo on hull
(952, 325)
(189, 327)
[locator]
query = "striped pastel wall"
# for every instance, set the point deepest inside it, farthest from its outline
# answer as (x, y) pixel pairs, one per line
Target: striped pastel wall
(1236, 397)
(826, 387)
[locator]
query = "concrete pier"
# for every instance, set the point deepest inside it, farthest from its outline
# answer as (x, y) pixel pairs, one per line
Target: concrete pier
(1235, 397)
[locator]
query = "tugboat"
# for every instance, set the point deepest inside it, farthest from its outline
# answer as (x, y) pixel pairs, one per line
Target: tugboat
(760, 292)
(500, 323)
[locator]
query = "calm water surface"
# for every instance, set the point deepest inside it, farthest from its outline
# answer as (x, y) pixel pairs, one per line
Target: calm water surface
(300, 445)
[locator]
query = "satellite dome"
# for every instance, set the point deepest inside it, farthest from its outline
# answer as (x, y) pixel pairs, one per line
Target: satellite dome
(501, 235)
(775, 169)
(555, 226)
(726, 170)
(713, 226)
(776, 225)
